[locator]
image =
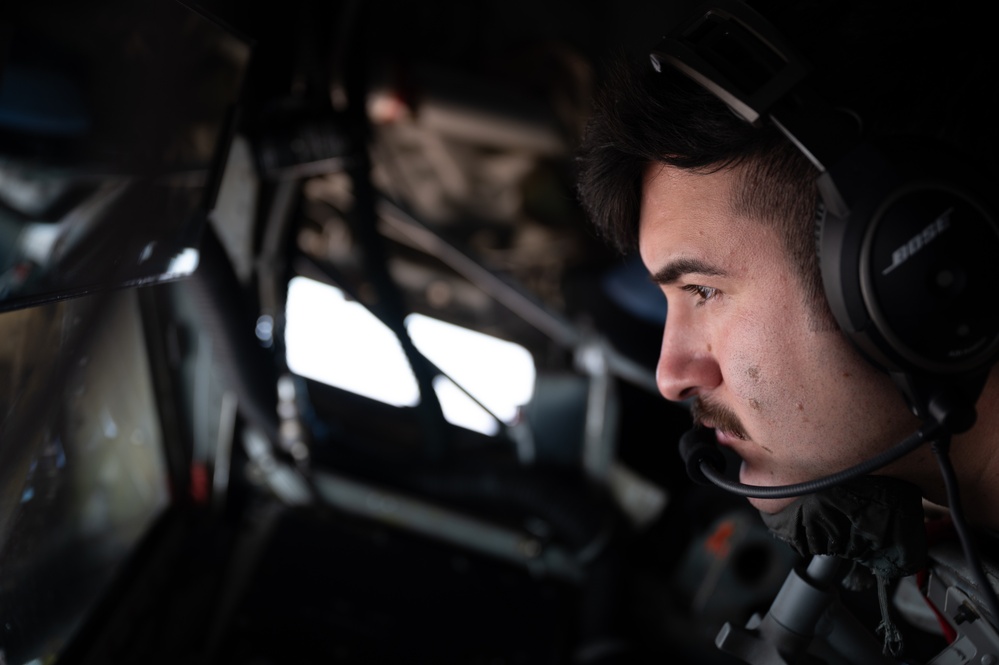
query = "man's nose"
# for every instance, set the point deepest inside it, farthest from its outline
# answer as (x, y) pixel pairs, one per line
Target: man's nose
(687, 365)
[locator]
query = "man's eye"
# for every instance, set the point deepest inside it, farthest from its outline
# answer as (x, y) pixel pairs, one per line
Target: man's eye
(704, 293)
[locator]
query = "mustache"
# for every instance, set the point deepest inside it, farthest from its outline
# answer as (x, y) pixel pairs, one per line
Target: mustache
(709, 414)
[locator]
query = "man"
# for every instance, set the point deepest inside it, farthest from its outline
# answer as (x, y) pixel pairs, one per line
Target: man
(722, 214)
(721, 206)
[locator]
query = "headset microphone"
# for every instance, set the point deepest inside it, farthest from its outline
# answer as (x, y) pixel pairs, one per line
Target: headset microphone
(706, 465)
(699, 450)
(948, 413)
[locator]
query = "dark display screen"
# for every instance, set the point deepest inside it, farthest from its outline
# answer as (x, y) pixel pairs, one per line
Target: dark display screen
(83, 472)
(114, 118)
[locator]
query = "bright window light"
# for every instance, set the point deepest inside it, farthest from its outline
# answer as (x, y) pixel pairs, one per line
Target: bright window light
(338, 342)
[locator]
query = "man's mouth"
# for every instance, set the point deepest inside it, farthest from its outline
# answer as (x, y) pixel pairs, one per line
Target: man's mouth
(720, 418)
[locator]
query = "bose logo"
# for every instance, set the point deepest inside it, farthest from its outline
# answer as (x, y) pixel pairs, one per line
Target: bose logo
(920, 240)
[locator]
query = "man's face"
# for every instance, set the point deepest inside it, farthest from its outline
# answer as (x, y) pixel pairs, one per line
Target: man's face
(788, 394)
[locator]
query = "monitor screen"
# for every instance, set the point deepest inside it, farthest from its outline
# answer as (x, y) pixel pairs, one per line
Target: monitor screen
(83, 469)
(115, 117)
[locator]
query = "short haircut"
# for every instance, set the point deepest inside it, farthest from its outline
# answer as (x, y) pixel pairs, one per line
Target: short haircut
(643, 117)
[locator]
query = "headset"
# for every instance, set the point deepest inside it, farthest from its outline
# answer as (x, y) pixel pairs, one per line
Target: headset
(907, 234)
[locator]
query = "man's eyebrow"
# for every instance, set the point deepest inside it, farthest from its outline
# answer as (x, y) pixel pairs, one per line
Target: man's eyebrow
(674, 270)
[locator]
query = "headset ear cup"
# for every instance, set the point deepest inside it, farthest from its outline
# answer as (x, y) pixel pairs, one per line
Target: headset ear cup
(909, 253)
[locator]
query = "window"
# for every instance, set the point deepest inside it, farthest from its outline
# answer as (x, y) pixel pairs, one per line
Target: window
(338, 342)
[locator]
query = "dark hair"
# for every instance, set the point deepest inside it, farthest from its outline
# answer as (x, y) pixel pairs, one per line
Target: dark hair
(642, 117)
(904, 66)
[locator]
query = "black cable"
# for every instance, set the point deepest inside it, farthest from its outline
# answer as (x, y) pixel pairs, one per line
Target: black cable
(941, 449)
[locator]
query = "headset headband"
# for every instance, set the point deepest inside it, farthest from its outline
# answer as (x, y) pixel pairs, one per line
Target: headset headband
(737, 55)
